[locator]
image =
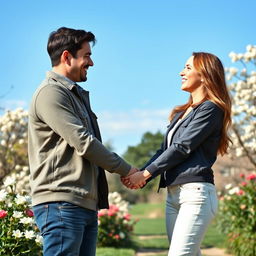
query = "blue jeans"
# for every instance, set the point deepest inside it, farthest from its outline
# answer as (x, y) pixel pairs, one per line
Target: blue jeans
(67, 229)
(189, 210)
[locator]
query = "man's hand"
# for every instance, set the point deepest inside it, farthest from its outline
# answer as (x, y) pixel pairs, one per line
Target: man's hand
(125, 179)
(136, 180)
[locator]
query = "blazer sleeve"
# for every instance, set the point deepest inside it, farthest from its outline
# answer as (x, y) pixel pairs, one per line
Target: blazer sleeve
(205, 122)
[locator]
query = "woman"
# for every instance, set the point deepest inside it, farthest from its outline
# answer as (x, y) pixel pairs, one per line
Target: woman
(196, 134)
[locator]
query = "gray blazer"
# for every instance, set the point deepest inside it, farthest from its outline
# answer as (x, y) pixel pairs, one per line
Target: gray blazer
(193, 148)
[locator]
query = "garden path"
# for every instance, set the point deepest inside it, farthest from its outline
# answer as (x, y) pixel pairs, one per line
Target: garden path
(154, 252)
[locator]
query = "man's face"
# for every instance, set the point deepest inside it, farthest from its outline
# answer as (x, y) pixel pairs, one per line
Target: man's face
(80, 63)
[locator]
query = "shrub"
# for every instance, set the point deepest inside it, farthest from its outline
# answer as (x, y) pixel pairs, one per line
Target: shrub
(238, 216)
(115, 223)
(19, 234)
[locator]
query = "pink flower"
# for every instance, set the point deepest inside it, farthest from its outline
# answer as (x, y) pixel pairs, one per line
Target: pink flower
(117, 237)
(127, 216)
(29, 213)
(243, 183)
(241, 175)
(113, 208)
(240, 192)
(101, 213)
(3, 214)
(111, 212)
(251, 177)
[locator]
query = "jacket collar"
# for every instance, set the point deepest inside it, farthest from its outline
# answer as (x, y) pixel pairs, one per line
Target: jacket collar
(61, 79)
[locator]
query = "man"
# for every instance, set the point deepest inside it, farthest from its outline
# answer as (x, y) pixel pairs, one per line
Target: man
(66, 155)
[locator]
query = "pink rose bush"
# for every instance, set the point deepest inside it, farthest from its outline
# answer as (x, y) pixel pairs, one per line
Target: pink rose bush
(19, 234)
(115, 223)
(237, 216)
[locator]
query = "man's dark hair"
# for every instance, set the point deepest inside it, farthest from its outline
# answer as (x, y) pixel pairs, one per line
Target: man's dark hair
(67, 39)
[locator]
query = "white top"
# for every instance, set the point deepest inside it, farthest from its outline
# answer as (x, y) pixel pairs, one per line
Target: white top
(170, 133)
(169, 137)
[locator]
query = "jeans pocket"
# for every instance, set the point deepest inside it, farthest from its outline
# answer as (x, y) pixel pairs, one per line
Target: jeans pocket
(66, 205)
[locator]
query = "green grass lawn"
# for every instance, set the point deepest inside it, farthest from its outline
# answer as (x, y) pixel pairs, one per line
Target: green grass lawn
(114, 252)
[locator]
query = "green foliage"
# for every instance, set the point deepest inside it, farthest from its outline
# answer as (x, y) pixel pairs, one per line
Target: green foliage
(18, 233)
(138, 156)
(237, 217)
(115, 224)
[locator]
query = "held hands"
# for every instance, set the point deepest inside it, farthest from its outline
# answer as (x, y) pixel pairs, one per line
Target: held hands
(135, 178)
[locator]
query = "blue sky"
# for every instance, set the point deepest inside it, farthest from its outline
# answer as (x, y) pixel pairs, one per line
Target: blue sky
(141, 47)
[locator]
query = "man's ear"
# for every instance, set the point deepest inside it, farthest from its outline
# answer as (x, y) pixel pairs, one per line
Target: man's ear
(66, 57)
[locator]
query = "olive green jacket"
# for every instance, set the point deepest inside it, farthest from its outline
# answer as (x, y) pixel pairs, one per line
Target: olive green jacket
(66, 156)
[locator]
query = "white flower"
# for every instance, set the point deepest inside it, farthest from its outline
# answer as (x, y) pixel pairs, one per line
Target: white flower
(29, 234)
(20, 199)
(233, 71)
(233, 56)
(3, 143)
(17, 233)
(39, 239)
(234, 190)
(21, 141)
(122, 235)
(27, 220)
(25, 168)
(9, 181)
(17, 167)
(17, 214)
(239, 152)
(249, 47)
(3, 195)
(228, 186)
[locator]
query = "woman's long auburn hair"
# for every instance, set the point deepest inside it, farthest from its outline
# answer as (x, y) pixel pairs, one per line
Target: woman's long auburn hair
(213, 75)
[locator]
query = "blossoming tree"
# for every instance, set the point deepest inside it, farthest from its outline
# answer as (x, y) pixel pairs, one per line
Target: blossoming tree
(13, 146)
(243, 91)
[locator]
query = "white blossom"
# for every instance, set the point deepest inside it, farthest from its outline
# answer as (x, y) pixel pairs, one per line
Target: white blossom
(27, 220)
(39, 239)
(3, 195)
(234, 190)
(243, 93)
(29, 234)
(17, 214)
(20, 199)
(17, 233)
(228, 186)
(9, 181)
(3, 143)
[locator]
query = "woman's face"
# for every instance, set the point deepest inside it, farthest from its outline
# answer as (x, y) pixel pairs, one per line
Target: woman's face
(191, 78)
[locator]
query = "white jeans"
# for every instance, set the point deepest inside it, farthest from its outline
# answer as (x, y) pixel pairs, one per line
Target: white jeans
(189, 210)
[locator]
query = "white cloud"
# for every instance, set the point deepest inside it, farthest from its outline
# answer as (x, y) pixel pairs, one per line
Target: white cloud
(125, 128)
(133, 121)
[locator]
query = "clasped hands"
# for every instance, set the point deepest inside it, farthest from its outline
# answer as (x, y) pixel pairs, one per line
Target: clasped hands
(135, 178)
